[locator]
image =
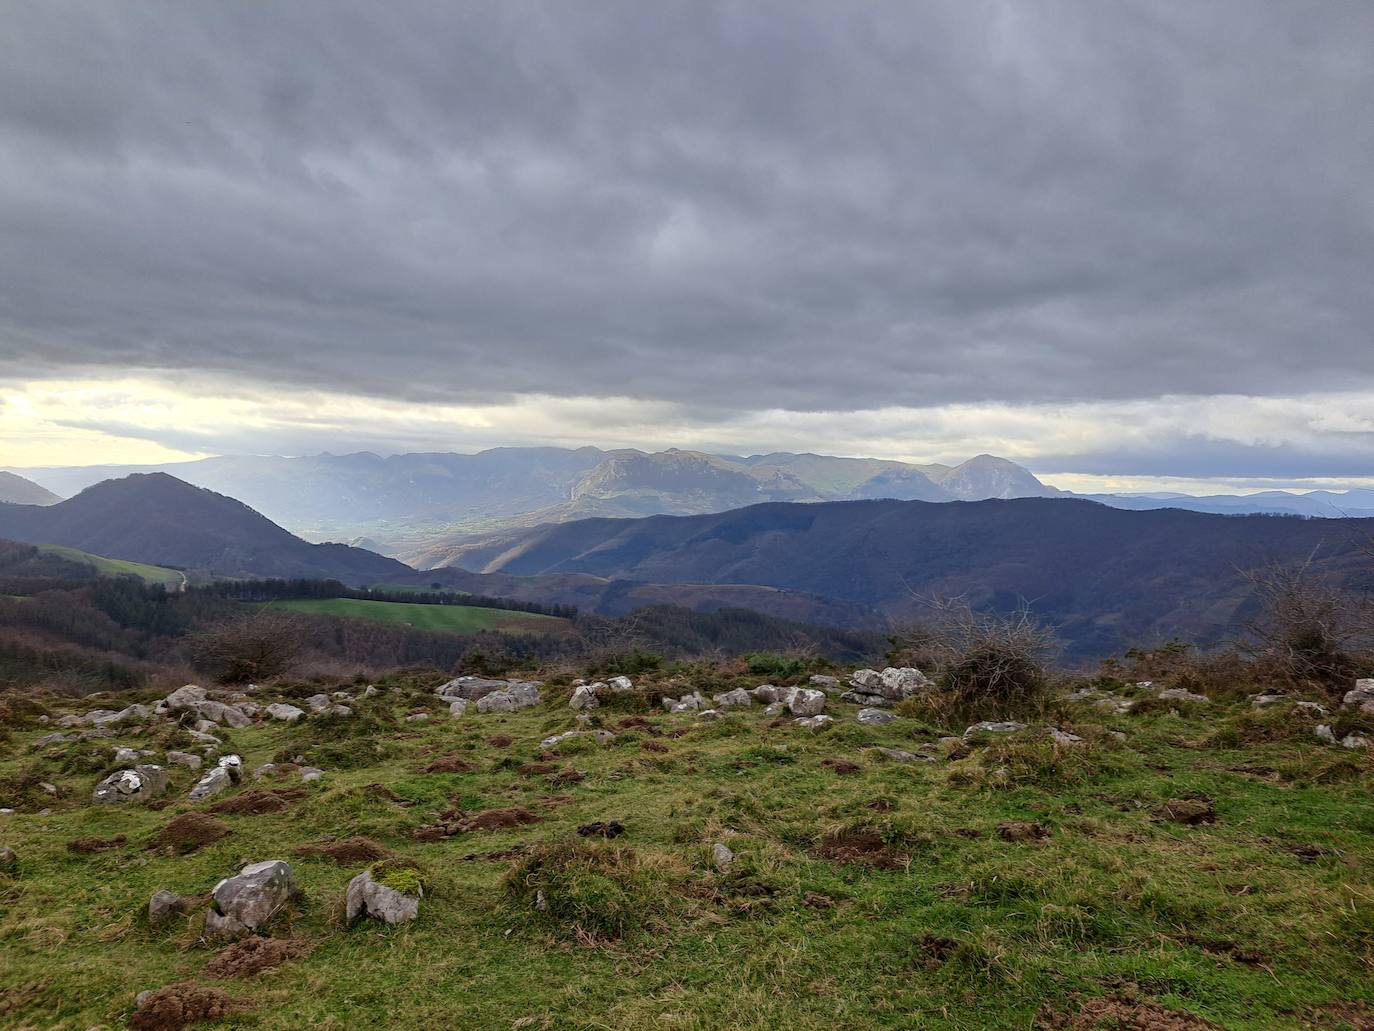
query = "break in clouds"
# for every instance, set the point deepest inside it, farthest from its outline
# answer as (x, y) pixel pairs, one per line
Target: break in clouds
(886, 228)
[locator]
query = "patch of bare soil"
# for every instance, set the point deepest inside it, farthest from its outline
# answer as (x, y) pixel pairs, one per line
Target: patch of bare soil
(456, 821)
(449, 764)
(1022, 830)
(177, 1006)
(536, 769)
(637, 723)
(255, 802)
(252, 956)
(841, 766)
(602, 829)
(501, 741)
(650, 745)
(347, 852)
(87, 845)
(1121, 1013)
(859, 846)
(191, 831)
(1190, 811)
(567, 776)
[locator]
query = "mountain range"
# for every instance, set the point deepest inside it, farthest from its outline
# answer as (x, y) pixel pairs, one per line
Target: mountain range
(158, 519)
(414, 506)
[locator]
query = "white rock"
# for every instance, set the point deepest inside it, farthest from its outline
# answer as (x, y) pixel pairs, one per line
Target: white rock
(830, 685)
(1354, 741)
(317, 702)
(131, 755)
(519, 695)
(1324, 733)
(620, 684)
(284, 712)
(1178, 694)
(458, 707)
(739, 698)
(1361, 697)
(815, 722)
(243, 903)
(311, 773)
(187, 697)
(807, 703)
(137, 785)
(993, 727)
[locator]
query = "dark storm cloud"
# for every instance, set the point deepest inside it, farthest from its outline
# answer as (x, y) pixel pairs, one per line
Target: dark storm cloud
(768, 204)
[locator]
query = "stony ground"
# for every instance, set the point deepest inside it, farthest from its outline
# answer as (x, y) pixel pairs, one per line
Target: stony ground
(1184, 865)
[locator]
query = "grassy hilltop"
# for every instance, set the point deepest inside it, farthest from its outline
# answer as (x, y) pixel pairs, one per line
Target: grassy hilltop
(1009, 882)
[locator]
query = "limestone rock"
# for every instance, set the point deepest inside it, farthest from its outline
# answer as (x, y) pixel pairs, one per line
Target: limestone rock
(807, 703)
(1179, 694)
(247, 901)
(284, 712)
(815, 722)
(184, 759)
(519, 695)
(1361, 697)
(738, 698)
(458, 707)
(369, 898)
(830, 685)
(994, 727)
(620, 684)
(311, 773)
(584, 697)
(136, 785)
(875, 717)
(187, 697)
(164, 906)
(318, 702)
(722, 857)
(132, 756)
(471, 688)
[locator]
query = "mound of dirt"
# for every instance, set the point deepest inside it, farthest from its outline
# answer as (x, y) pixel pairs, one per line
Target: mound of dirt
(500, 741)
(567, 776)
(1190, 811)
(498, 819)
(449, 764)
(602, 829)
(841, 766)
(1121, 1013)
(384, 793)
(255, 802)
(859, 845)
(348, 852)
(191, 831)
(536, 769)
(650, 745)
(84, 846)
(180, 1005)
(252, 956)
(637, 723)
(1021, 830)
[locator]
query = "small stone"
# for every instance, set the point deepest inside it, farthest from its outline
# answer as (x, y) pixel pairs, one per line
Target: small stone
(875, 717)
(723, 858)
(136, 785)
(51, 739)
(584, 697)
(1324, 733)
(458, 707)
(739, 698)
(417, 717)
(46, 788)
(830, 685)
(900, 756)
(1178, 694)
(184, 759)
(131, 755)
(284, 712)
(9, 859)
(993, 727)
(215, 781)
(815, 722)
(164, 906)
(311, 773)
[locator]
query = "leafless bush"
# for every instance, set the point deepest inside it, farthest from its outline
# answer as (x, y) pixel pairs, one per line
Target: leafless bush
(261, 644)
(981, 660)
(1311, 629)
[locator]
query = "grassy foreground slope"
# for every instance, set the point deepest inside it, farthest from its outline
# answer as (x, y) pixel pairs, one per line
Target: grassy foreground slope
(455, 619)
(867, 893)
(170, 578)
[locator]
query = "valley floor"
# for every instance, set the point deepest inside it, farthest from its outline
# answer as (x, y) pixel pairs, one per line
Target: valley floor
(1025, 884)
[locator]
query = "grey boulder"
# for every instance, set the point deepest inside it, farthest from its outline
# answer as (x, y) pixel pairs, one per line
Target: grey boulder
(247, 901)
(284, 712)
(519, 695)
(807, 702)
(136, 785)
(369, 898)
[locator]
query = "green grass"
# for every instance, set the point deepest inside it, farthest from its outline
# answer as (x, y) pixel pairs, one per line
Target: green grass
(453, 619)
(170, 578)
(1253, 922)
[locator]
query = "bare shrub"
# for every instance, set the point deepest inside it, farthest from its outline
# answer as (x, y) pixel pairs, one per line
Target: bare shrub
(255, 646)
(1311, 629)
(983, 662)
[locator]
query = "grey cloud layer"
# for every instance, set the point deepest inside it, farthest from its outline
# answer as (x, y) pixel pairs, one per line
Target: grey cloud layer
(782, 204)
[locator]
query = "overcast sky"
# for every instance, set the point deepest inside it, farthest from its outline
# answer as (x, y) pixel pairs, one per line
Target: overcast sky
(1126, 243)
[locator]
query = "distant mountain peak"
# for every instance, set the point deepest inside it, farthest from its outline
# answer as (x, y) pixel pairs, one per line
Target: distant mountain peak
(17, 490)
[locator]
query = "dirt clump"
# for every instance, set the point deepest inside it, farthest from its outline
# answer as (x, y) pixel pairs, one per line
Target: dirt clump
(1122, 1013)
(1189, 811)
(456, 821)
(637, 723)
(602, 829)
(859, 845)
(347, 852)
(449, 764)
(252, 956)
(841, 766)
(650, 745)
(180, 1005)
(1022, 830)
(191, 831)
(501, 741)
(255, 802)
(567, 776)
(87, 845)
(536, 769)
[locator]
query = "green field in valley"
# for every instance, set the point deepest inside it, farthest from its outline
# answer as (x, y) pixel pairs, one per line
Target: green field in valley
(453, 619)
(171, 578)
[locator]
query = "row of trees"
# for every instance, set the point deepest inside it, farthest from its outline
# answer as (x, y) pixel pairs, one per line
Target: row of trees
(277, 590)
